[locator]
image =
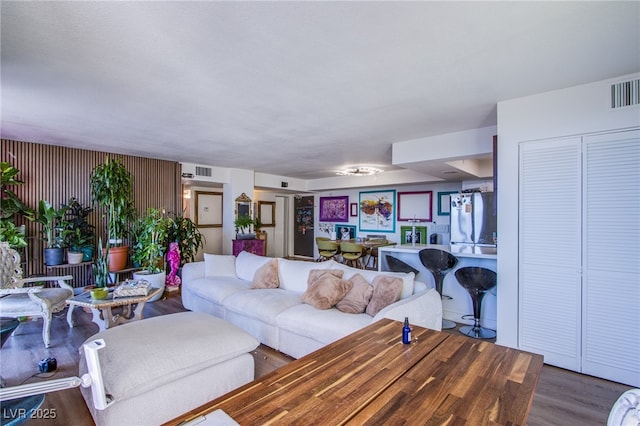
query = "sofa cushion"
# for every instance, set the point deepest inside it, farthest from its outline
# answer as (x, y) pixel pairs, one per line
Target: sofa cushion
(266, 276)
(293, 274)
(326, 290)
(357, 299)
(314, 274)
(247, 264)
(219, 265)
(217, 289)
(324, 326)
(262, 304)
(386, 290)
(196, 342)
(407, 278)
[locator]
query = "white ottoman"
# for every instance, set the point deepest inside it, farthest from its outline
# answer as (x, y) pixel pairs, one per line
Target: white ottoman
(159, 368)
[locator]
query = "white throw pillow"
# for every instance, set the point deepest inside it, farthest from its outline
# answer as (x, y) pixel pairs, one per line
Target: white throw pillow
(220, 265)
(293, 274)
(248, 263)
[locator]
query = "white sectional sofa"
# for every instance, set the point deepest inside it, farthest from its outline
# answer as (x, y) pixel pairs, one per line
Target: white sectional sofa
(221, 285)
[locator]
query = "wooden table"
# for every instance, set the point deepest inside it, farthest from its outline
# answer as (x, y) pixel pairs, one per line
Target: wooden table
(101, 308)
(370, 377)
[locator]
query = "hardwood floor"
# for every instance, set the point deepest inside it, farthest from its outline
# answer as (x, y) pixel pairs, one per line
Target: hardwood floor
(562, 397)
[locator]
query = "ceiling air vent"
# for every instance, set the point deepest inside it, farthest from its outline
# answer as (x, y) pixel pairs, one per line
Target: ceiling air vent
(625, 94)
(203, 171)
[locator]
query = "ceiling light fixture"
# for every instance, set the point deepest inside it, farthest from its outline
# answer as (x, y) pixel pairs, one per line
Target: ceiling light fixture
(360, 171)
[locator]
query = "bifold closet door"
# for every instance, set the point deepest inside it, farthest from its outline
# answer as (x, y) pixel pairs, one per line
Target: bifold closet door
(611, 257)
(549, 250)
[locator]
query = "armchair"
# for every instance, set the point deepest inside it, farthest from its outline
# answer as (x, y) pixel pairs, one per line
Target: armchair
(16, 300)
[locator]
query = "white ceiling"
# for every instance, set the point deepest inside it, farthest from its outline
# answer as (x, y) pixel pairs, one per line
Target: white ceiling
(291, 88)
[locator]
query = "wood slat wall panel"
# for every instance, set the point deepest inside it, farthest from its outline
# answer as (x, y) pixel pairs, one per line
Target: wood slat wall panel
(56, 174)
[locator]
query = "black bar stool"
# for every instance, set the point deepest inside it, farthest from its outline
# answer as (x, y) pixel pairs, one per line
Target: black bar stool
(476, 281)
(397, 265)
(439, 263)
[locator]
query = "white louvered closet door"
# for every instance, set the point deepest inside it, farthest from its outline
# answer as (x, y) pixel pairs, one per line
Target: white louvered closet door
(611, 257)
(549, 250)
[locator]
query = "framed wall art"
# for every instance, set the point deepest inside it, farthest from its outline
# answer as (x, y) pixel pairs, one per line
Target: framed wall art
(415, 206)
(444, 202)
(334, 209)
(377, 211)
(354, 210)
(267, 213)
(345, 232)
(406, 235)
(208, 207)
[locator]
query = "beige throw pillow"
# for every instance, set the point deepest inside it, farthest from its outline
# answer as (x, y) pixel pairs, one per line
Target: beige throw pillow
(386, 290)
(267, 275)
(314, 274)
(357, 299)
(326, 291)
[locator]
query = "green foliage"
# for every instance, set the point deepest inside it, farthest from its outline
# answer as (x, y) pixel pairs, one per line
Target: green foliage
(112, 187)
(50, 219)
(101, 266)
(189, 238)
(12, 234)
(151, 231)
(77, 231)
(243, 223)
(10, 204)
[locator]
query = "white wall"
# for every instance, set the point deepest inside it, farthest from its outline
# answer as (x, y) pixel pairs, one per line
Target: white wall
(567, 112)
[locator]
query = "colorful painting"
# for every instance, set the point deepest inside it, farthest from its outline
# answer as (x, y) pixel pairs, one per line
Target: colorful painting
(377, 211)
(334, 209)
(345, 232)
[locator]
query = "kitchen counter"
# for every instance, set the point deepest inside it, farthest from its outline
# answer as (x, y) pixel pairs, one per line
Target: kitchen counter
(458, 307)
(459, 250)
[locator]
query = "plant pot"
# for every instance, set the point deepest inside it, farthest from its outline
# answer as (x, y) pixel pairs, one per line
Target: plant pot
(74, 257)
(156, 280)
(53, 256)
(99, 293)
(87, 253)
(246, 236)
(118, 257)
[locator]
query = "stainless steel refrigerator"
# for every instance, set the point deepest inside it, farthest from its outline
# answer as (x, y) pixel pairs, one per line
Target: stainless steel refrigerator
(473, 218)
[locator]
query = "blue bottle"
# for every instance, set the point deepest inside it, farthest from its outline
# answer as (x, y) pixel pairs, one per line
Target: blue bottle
(406, 332)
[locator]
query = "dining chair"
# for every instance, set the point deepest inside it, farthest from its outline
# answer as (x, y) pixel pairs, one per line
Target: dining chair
(326, 250)
(352, 254)
(18, 300)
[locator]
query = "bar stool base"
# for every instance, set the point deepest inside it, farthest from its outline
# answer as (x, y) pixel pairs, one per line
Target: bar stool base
(446, 324)
(477, 332)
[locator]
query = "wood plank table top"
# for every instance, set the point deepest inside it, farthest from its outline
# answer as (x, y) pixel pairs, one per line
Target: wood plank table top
(370, 377)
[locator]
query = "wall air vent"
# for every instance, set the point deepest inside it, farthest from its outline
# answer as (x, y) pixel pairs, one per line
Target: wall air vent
(203, 171)
(625, 94)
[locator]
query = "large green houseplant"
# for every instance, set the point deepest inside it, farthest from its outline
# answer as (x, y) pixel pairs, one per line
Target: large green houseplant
(51, 220)
(78, 232)
(185, 232)
(112, 188)
(152, 231)
(10, 206)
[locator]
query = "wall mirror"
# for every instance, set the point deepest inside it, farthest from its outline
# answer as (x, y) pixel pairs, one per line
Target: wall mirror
(243, 206)
(267, 213)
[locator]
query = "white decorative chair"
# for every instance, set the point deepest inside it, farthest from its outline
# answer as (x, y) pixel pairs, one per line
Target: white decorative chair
(16, 300)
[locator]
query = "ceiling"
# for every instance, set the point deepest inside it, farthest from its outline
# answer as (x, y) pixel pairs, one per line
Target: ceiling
(296, 89)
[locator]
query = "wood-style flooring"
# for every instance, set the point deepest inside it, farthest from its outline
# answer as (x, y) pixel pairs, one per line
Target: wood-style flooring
(562, 397)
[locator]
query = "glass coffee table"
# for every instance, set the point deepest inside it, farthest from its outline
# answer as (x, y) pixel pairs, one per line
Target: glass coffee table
(102, 308)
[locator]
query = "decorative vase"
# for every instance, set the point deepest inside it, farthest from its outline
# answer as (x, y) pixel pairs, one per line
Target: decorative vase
(87, 253)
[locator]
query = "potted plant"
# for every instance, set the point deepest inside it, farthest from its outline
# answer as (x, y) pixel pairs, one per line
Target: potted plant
(184, 231)
(150, 247)
(78, 232)
(101, 272)
(10, 205)
(51, 219)
(112, 188)
(243, 226)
